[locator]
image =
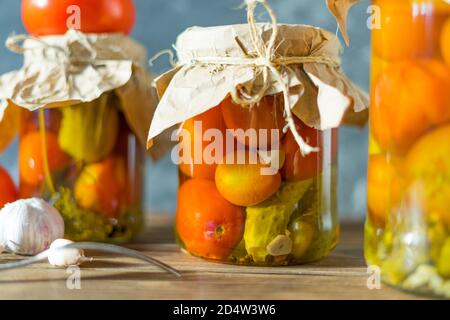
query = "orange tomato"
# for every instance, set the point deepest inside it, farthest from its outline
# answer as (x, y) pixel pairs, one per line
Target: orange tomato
(246, 184)
(421, 23)
(31, 163)
(297, 167)
(51, 17)
(203, 169)
(101, 187)
(208, 225)
(409, 98)
(267, 115)
(385, 188)
(8, 192)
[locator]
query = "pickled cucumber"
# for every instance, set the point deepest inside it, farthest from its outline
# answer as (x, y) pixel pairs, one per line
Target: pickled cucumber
(270, 219)
(89, 131)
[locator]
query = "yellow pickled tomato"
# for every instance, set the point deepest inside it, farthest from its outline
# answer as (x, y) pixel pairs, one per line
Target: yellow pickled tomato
(100, 187)
(428, 167)
(246, 184)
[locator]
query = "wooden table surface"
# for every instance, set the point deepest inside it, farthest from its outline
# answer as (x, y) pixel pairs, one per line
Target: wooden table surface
(340, 276)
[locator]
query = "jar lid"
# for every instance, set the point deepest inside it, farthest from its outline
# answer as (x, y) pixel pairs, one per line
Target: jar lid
(216, 62)
(78, 68)
(292, 40)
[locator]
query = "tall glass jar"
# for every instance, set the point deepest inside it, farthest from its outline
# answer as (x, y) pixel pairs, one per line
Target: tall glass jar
(407, 230)
(235, 212)
(88, 163)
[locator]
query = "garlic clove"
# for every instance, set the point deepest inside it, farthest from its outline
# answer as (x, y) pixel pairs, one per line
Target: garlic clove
(2, 248)
(64, 257)
(280, 246)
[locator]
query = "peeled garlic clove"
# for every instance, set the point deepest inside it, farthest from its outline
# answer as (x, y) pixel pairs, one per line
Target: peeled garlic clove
(64, 257)
(280, 246)
(29, 226)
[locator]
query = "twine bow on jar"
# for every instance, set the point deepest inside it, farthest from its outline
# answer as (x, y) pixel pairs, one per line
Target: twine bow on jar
(264, 58)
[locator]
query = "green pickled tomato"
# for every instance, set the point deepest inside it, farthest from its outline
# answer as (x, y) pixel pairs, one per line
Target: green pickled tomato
(302, 233)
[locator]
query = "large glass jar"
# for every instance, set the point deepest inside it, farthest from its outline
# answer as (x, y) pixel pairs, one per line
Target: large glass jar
(85, 160)
(407, 230)
(233, 210)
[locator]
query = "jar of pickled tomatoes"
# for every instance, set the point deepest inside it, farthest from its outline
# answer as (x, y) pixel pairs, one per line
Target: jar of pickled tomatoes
(248, 193)
(88, 163)
(86, 104)
(407, 232)
(233, 211)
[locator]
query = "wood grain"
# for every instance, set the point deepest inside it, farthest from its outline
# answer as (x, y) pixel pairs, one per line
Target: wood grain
(340, 276)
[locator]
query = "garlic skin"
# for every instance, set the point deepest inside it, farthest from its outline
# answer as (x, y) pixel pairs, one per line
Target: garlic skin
(65, 257)
(29, 226)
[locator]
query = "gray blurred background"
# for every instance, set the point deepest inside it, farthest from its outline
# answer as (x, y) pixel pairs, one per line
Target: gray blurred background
(158, 24)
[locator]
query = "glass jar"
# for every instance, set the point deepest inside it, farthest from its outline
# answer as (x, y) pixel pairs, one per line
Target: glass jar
(407, 232)
(87, 162)
(230, 209)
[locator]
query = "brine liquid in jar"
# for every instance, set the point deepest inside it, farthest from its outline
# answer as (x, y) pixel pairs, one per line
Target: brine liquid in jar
(249, 197)
(407, 230)
(87, 162)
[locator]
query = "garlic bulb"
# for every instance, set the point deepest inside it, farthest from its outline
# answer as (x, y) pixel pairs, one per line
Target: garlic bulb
(64, 257)
(29, 226)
